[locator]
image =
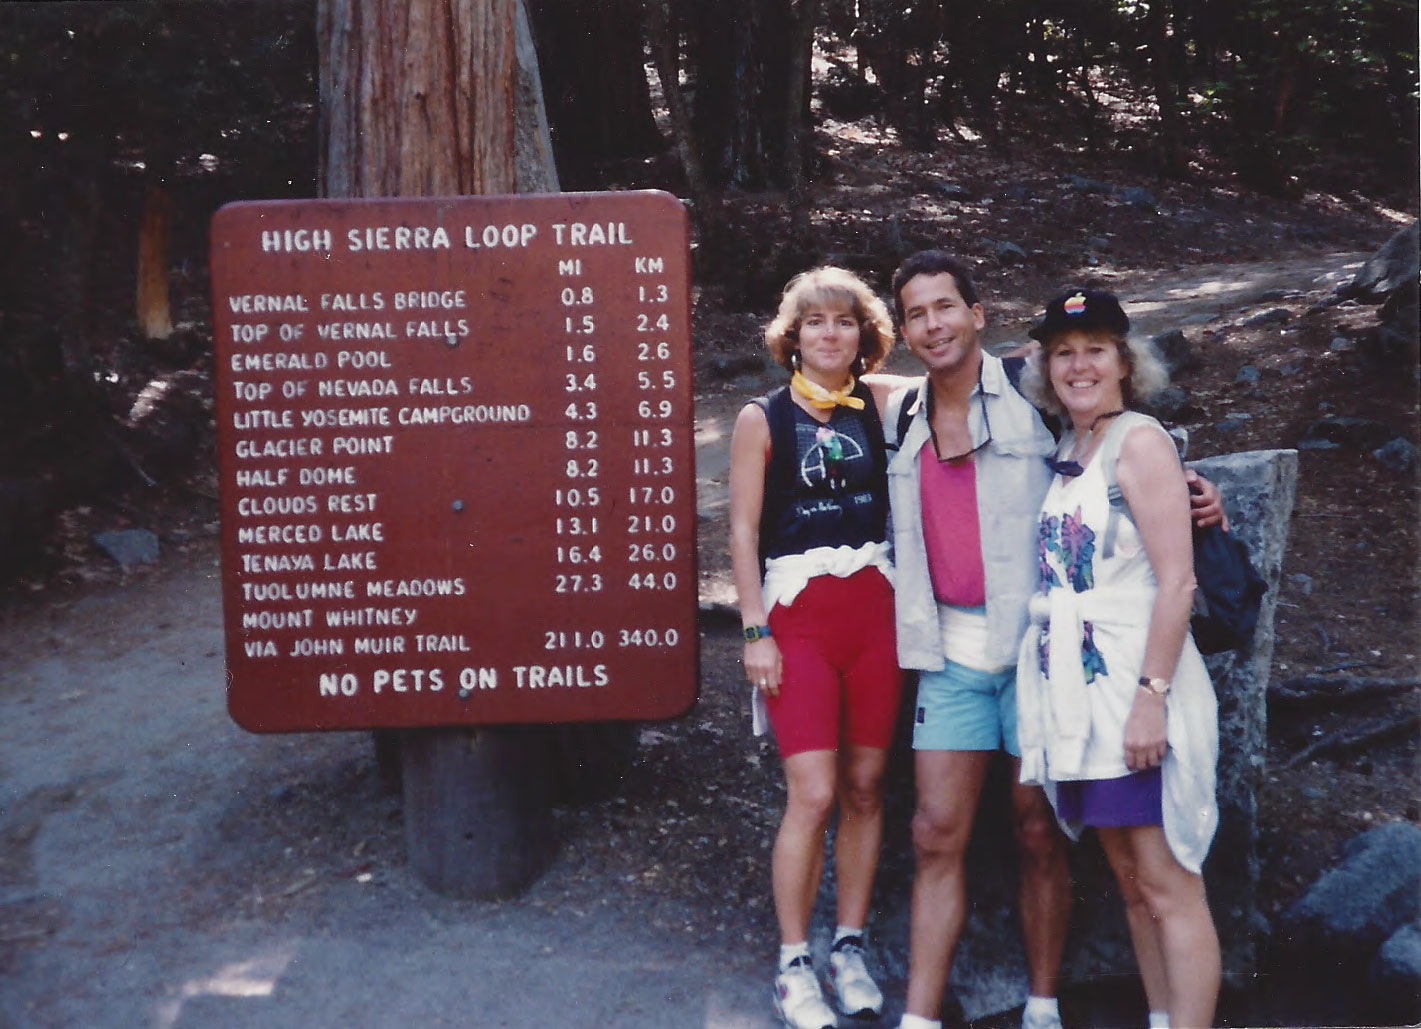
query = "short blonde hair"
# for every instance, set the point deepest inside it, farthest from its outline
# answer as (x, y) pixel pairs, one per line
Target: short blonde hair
(1147, 373)
(828, 286)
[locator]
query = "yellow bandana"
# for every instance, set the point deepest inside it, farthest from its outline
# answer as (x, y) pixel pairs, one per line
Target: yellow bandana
(822, 398)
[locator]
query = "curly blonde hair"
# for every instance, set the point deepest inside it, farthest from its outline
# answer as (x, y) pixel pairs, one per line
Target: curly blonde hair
(828, 286)
(1147, 373)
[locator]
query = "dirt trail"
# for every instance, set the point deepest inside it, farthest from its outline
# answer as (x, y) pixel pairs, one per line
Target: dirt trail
(160, 867)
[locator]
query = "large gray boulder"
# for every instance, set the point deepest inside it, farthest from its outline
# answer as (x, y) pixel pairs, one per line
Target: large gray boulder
(1391, 268)
(1329, 941)
(1353, 908)
(1395, 980)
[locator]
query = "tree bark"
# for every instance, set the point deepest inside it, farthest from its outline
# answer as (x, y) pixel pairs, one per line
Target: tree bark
(155, 314)
(417, 97)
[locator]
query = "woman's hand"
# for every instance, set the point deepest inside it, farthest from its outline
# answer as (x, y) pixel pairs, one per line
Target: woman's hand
(763, 666)
(1144, 732)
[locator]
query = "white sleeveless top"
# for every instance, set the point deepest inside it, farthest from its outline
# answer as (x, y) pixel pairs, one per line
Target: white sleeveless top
(1079, 665)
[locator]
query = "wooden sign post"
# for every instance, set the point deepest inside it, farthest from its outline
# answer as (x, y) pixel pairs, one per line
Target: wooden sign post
(417, 100)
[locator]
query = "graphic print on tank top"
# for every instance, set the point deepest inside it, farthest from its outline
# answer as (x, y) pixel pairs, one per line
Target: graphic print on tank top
(828, 459)
(1072, 543)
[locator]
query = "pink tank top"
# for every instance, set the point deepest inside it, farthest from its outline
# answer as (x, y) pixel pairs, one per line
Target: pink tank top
(951, 530)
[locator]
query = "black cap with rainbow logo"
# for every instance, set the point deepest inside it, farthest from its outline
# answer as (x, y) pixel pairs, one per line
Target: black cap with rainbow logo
(1081, 309)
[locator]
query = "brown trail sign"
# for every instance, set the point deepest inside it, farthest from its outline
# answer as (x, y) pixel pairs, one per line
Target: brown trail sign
(456, 458)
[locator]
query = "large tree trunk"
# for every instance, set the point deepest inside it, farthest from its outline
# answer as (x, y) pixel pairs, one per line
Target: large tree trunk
(739, 52)
(418, 99)
(664, 35)
(599, 102)
(155, 315)
(798, 74)
(1166, 93)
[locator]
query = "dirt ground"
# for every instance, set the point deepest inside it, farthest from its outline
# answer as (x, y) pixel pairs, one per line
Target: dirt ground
(160, 867)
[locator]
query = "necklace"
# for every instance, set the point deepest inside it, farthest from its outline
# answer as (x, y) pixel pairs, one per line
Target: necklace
(1073, 467)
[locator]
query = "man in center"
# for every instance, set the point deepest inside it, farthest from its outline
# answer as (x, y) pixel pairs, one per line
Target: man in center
(965, 489)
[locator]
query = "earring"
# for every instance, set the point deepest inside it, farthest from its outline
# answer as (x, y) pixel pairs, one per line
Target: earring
(794, 360)
(858, 366)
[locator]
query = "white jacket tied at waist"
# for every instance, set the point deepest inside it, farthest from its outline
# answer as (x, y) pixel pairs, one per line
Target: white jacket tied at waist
(1054, 713)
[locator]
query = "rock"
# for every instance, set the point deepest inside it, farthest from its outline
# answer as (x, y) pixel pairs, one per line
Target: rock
(1318, 444)
(1345, 431)
(1302, 582)
(1233, 423)
(1272, 296)
(1010, 253)
(1248, 375)
(951, 190)
(1172, 404)
(1174, 350)
(1259, 488)
(129, 546)
(1398, 455)
(1354, 907)
(731, 367)
(1393, 266)
(168, 419)
(1341, 345)
(1139, 197)
(1098, 243)
(1395, 978)
(1277, 316)
(1084, 185)
(1018, 191)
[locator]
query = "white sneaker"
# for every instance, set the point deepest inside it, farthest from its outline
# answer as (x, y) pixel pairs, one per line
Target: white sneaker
(798, 999)
(1050, 1021)
(853, 989)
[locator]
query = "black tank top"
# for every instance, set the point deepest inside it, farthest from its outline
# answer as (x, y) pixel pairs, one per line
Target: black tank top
(826, 484)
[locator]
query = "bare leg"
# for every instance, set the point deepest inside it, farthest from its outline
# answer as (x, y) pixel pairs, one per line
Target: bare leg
(1045, 892)
(1144, 933)
(1188, 943)
(860, 833)
(949, 783)
(798, 857)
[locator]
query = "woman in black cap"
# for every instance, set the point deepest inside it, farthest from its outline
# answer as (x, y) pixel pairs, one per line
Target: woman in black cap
(1116, 710)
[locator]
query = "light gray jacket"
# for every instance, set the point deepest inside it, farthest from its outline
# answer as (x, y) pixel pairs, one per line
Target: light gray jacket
(1012, 479)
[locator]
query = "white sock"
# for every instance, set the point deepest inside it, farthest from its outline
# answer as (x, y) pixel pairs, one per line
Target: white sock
(790, 951)
(1041, 1007)
(918, 1022)
(845, 930)
(1159, 1020)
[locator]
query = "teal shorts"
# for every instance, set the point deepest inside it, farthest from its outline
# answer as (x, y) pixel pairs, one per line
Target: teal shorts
(961, 708)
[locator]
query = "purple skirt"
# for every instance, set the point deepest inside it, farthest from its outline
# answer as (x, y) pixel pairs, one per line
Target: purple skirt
(1133, 799)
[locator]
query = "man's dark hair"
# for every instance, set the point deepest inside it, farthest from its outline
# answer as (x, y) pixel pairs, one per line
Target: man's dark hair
(932, 262)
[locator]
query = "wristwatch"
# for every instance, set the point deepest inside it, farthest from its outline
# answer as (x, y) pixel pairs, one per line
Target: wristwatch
(755, 632)
(1159, 687)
